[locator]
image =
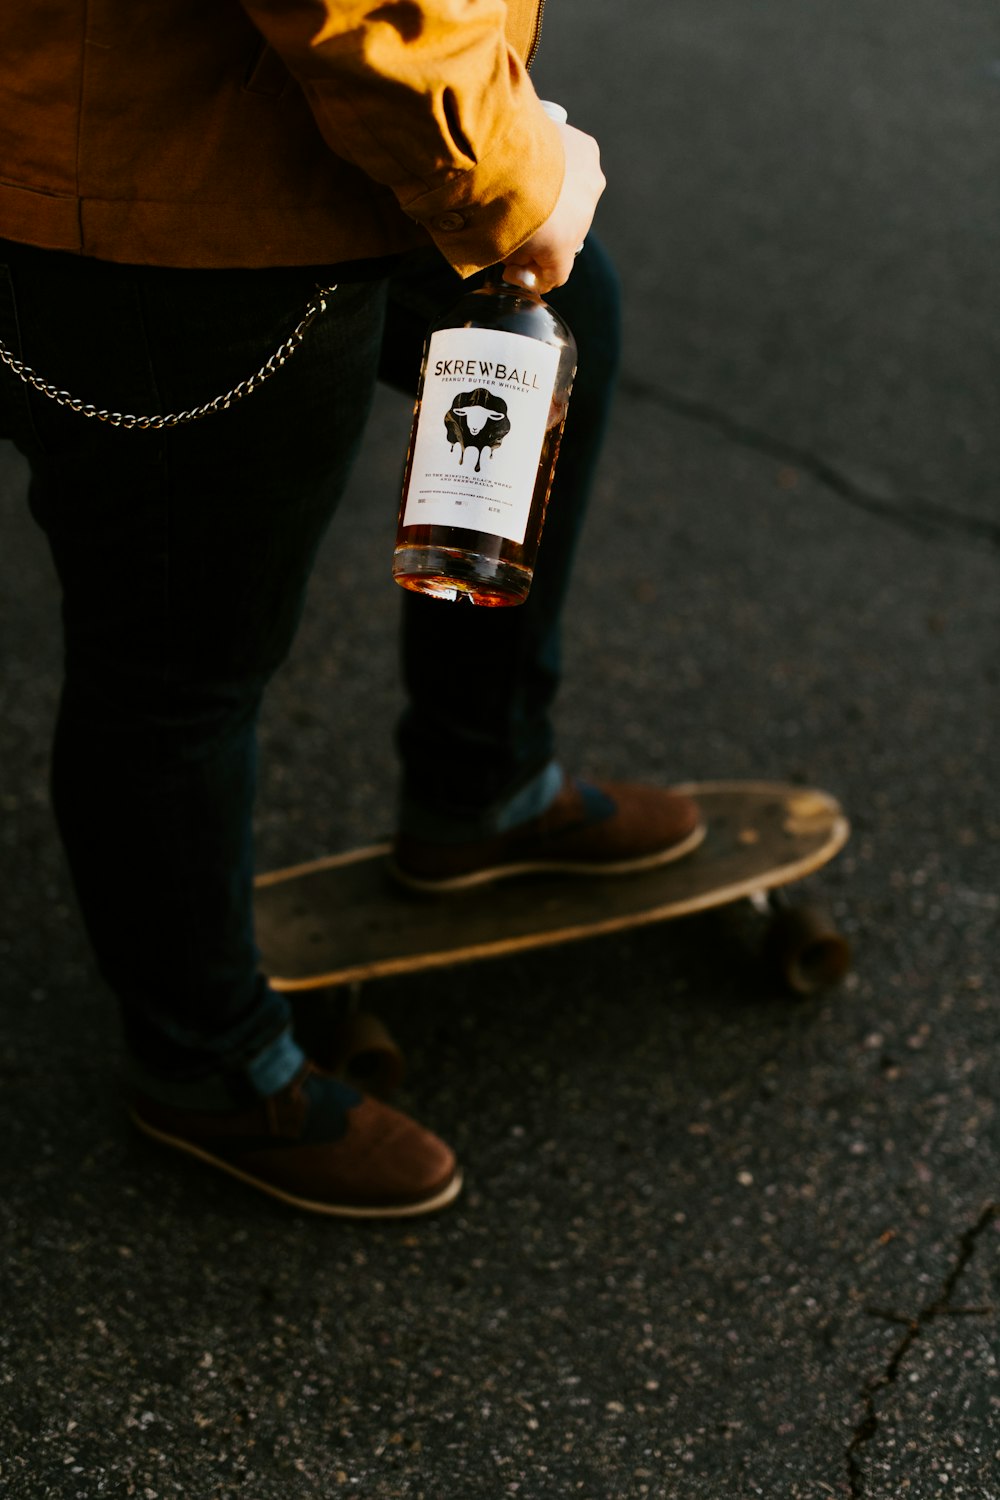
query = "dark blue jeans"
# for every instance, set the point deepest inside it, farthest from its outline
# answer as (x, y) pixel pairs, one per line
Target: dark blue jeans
(184, 556)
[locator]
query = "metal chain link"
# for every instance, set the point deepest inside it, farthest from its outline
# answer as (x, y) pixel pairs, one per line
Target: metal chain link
(156, 423)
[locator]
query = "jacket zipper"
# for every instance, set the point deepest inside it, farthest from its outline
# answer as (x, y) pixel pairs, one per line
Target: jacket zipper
(538, 34)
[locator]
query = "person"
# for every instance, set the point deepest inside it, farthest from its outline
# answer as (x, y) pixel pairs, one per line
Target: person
(180, 184)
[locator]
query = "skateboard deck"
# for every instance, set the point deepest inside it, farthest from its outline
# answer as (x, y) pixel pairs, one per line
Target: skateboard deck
(343, 918)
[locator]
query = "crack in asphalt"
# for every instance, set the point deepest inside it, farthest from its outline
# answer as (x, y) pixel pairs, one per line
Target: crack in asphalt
(941, 1307)
(915, 513)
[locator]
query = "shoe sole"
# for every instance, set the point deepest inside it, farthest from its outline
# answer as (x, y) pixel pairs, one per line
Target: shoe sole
(447, 1194)
(493, 873)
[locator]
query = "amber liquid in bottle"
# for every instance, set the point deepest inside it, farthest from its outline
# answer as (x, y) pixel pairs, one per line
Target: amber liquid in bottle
(489, 416)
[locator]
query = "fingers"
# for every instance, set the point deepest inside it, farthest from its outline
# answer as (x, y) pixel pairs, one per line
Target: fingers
(551, 250)
(542, 275)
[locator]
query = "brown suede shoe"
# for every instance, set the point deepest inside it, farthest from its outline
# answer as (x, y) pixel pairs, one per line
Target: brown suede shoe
(319, 1145)
(614, 829)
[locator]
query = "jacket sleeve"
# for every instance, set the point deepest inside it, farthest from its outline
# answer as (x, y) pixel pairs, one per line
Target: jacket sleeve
(427, 98)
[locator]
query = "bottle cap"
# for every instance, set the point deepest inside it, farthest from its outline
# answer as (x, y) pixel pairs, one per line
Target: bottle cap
(521, 275)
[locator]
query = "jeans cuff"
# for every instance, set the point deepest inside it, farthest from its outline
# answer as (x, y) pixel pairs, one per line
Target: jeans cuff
(443, 826)
(272, 1068)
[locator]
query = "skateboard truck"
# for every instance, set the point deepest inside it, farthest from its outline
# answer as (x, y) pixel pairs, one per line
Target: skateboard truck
(802, 943)
(344, 1039)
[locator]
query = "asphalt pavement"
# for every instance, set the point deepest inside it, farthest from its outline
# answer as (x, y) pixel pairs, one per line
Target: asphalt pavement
(716, 1242)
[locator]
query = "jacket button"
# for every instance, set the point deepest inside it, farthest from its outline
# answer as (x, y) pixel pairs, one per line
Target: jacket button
(448, 223)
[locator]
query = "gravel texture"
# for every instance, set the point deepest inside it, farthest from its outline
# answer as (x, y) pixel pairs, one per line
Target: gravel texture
(715, 1242)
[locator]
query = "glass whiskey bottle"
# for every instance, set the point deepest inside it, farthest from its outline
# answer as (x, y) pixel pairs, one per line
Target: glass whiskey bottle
(491, 404)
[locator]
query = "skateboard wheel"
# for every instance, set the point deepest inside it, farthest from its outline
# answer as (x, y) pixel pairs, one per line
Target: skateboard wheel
(808, 951)
(371, 1059)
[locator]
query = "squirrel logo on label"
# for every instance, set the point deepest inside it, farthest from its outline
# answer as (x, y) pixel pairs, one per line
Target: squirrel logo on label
(477, 419)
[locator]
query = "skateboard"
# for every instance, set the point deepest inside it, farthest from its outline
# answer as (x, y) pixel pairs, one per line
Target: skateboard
(343, 920)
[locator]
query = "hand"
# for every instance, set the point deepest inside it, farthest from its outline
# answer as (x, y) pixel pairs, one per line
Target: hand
(550, 252)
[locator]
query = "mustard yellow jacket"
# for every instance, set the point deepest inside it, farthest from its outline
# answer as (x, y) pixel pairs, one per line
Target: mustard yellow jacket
(272, 132)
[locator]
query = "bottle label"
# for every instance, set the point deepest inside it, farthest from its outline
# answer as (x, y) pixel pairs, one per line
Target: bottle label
(483, 417)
